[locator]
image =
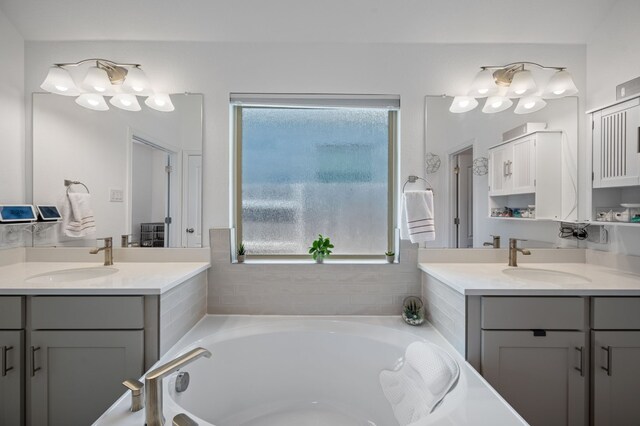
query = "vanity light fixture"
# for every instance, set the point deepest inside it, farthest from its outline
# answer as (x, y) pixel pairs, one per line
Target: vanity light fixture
(122, 82)
(519, 82)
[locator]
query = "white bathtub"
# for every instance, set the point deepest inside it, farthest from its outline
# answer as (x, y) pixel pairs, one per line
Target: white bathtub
(304, 371)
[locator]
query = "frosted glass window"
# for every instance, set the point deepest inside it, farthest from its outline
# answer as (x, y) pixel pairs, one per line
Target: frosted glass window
(310, 171)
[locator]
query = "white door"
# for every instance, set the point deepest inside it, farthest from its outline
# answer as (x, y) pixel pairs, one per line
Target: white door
(464, 200)
(616, 377)
(616, 145)
(523, 168)
(192, 207)
(545, 378)
(500, 161)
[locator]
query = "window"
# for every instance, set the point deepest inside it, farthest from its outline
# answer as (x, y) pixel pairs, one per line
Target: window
(315, 165)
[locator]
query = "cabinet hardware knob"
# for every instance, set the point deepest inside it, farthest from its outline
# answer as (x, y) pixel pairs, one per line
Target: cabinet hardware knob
(5, 369)
(190, 230)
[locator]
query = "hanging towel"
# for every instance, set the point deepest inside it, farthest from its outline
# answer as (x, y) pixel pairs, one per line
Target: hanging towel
(414, 390)
(416, 222)
(77, 215)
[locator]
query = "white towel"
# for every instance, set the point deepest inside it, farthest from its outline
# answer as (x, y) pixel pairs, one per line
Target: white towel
(77, 215)
(414, 390)
(417, 219)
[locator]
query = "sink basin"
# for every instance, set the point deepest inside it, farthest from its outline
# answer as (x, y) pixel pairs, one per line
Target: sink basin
(546, 275)
(68, 275)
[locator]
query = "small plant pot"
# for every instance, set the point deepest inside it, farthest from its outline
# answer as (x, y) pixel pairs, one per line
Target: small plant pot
(241, 258)
(320, 259)
(391, 258)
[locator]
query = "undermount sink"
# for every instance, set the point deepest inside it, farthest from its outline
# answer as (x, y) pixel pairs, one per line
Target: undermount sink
(67, 275)
(546, 275)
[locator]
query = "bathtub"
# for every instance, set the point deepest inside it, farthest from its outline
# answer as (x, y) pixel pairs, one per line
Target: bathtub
(299, 371)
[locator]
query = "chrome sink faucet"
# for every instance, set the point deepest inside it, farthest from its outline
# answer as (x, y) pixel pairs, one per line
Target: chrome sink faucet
(153, 384)
(495, 243)
(107, 248)
(513, 251)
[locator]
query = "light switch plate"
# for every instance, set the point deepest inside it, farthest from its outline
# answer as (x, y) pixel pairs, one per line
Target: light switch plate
(116, 195)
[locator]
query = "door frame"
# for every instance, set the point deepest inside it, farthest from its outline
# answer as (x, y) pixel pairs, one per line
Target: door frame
(450, 183)
(185, 184)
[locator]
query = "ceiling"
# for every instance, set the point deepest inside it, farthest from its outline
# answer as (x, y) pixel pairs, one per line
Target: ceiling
(401, 21)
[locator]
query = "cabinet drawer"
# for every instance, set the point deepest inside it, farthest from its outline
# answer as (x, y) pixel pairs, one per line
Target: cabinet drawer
(615, 313)
(526, 313)
(11, 313)
(87, 313)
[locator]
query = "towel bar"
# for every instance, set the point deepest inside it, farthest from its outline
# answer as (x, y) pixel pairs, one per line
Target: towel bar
(68, 184)
(413, 179)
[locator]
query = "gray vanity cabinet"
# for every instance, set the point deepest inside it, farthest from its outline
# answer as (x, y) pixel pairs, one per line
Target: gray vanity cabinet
(11, 360)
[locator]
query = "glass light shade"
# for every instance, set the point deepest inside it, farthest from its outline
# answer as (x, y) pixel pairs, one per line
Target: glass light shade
(522, 85)
(92, 101)
(463, 104)
(560, 85)
(160, 102)
(530, 104)
(59, 81)
(125, 101)
(136, 82)
(495, 104)
(483, 85)
(97, 81)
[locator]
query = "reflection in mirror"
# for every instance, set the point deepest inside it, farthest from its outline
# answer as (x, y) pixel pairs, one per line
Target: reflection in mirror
(143, 171)
(539, 174)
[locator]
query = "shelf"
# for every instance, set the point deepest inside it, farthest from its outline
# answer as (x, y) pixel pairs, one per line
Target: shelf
(599, 223)
(527, 219)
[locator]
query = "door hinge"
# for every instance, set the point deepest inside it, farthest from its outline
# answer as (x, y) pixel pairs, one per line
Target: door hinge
(593, 124)
(456, 221)
(456, 169)
(535, 182)
(168, 169)
(167, 220)
(593, 176)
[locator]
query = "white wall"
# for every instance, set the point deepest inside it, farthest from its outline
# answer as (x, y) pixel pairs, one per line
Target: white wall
(217, 69)
(12, 109)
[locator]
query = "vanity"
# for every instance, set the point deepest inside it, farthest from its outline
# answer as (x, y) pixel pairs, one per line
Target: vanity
(559, 341)
(71, 332)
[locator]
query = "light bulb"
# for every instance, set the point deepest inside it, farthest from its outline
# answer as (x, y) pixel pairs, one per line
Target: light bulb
(559, 92)
(99, 89)
(522, 84)
(519, 91)
(560, 85)
(160, 102)
(483, 84)
(137, 82)
(529, 105)
(496, 104)
(92, 101)
(97, 80)
(61, 88)
(464, 103)
(483, 91)
(125, 101)
(59, 81)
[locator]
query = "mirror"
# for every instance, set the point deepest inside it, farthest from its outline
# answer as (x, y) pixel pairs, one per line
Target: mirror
(143, 170)
(463, 141)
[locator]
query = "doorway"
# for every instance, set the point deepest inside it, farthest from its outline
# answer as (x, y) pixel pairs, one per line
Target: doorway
(462, 197)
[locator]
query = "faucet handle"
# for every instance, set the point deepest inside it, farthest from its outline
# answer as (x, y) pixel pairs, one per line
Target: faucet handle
(183, 420)
(137, 393)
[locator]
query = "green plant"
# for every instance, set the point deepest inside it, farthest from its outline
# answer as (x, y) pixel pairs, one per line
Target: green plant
(320, 247)
(412, 310)
(389, 253)
(241, 250)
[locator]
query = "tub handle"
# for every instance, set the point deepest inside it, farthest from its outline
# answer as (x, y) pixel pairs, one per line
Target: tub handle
(183, 420)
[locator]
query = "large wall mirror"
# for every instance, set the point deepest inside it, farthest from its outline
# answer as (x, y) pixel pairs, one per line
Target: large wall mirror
(540, 169)
(143, 170)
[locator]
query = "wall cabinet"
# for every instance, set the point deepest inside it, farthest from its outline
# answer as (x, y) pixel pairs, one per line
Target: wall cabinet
(528, 171)
(616, 145)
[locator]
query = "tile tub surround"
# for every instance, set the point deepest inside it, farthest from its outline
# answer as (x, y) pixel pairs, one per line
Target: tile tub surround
(446, 310)
(307, 288)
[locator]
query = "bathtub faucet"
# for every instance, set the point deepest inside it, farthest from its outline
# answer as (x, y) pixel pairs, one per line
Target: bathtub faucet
(153, 384)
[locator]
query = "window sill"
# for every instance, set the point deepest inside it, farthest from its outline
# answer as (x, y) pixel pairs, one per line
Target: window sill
(312, 262)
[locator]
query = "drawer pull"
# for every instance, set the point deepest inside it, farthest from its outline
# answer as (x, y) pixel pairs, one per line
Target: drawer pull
(5, 369)
(609, 351)
(33, 360)
(581, 368)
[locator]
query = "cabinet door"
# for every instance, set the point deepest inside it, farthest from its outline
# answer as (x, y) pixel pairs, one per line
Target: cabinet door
(539, 376)
(11, 378)
(76, 375)
(523, 168)
(616, 377)
(616, 145)
(500, 162)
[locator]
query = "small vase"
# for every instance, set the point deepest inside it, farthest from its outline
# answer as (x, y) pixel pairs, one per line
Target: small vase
(319, 259)
(241, 258)
(391, 258)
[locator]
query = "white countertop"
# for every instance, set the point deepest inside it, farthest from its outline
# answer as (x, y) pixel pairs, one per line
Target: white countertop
(474, 279)
(131, 278)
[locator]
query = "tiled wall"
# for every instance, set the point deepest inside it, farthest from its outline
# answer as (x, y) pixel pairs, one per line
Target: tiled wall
(181, 308)
(307, 288)
(445, 310)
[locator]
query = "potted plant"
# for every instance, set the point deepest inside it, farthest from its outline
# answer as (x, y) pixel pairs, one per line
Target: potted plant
(390, 256)
(241, 253)
(320, 249)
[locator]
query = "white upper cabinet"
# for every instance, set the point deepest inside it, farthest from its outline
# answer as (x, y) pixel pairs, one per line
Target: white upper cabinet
(500, 165)
(616, 147)
(523, 167)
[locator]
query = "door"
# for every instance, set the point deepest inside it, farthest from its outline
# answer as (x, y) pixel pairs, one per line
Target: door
(616, 145)
(543, 377)
(192, 209)
(523, 168)
(463, 220)
(11, 377)
(76, 375)
(500, 162)
(616, 377)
